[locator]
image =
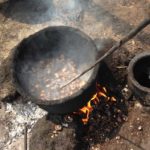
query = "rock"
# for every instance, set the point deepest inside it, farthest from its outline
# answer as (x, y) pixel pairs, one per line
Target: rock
(68, 119)
(58, 127)
(117, 137)
(138, 105)
(65, 125)
(126, 92)
(140, 128)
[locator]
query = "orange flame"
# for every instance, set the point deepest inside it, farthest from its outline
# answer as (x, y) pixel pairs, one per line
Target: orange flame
(86, 110)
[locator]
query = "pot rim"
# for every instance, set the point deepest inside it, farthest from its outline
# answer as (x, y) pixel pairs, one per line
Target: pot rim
(131, 74)
(58, 101)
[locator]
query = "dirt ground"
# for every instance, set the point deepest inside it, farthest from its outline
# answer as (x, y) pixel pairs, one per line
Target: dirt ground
(102, 20)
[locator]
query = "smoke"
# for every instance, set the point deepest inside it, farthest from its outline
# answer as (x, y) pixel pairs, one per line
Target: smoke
(40, 11)
(66, 10)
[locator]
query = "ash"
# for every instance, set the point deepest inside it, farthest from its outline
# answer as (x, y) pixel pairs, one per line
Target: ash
(20, 114)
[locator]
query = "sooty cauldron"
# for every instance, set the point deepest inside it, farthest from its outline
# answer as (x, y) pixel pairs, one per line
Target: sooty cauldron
(46, 45)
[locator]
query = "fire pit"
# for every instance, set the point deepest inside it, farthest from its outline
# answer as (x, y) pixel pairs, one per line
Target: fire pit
(71, 131)
(139, 77)
(47, 60)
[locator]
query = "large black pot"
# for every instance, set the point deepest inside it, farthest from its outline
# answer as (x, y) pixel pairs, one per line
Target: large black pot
(48, 44)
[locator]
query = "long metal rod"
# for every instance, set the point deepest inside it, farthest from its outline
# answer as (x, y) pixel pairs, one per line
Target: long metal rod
(128, 37)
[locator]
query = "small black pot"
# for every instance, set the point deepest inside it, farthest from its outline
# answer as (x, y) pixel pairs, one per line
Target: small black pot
(139, 77)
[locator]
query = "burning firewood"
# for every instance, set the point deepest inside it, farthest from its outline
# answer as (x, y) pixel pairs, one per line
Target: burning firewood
(95, 100)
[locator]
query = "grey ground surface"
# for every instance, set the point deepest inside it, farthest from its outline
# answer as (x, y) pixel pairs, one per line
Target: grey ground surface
(107, 20)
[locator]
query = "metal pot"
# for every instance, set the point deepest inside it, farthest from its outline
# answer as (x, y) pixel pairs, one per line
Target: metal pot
(48, 44)
(139, 77)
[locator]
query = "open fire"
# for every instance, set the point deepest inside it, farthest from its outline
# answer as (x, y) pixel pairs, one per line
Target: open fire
(101, 92)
